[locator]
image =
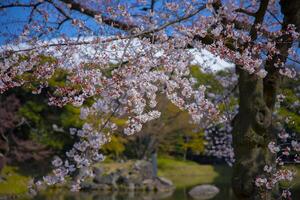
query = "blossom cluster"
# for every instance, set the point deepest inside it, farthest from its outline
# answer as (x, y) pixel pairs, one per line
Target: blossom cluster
(218, 135)
(219, 143)
(277, 173)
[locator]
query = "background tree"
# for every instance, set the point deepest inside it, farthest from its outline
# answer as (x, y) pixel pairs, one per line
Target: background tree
(9, 119)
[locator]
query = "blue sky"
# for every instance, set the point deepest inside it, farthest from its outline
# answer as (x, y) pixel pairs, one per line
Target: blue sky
(12, 21)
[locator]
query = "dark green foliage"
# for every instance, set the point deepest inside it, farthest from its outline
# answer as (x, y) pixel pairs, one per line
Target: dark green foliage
(207, 79)
(289, 110)
(47, 125)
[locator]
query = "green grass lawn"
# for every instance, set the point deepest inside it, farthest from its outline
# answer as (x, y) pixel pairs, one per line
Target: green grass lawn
(188, 173)
(15, 183)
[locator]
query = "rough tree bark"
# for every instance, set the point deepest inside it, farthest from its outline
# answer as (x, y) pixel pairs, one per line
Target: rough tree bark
(250, 136)
(252, 127)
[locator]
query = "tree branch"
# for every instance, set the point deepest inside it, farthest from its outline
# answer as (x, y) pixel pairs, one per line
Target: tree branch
(259, 18)
(18, 5)
(143, 33)
(92, 13)
(290, 11)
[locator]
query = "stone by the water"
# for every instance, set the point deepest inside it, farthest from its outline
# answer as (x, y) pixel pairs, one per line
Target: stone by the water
(165, 181)
(137, 176)
(203, 192)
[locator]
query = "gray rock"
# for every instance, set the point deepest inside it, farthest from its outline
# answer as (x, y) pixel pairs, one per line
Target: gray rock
(202, 192)
(110, 179)
(98, 171)
(89, 186)
(144, 168)
(165, 181)
(163, 184)
(82, 173)
(135, 178)
(138, 176)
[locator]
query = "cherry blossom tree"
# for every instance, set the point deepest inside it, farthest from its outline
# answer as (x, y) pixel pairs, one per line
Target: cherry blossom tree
(219, 136)
(122, 54)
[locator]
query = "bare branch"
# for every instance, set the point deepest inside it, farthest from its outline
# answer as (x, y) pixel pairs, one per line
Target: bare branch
(275, 17)
(259, 18)
(18, 5)
(92, 13)
(59, 9)
(34, 8)
(141, 34)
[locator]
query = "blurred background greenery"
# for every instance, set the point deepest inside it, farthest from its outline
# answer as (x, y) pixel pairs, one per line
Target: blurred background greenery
(41, 131)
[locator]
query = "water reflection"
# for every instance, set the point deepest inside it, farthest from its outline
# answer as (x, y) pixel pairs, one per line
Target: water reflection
(100, 195)
(179, 194)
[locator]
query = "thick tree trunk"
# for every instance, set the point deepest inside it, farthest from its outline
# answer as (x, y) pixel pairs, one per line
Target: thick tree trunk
(252, 127)
(251, 137)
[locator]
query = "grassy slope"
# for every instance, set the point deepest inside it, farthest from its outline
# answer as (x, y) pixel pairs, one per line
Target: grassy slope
(188, 173)
(15, 183)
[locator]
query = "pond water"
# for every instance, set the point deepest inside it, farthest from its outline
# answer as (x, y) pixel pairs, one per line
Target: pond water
(179, 194)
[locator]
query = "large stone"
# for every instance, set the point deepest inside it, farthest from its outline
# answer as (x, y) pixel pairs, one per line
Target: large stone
(135, 178)
(98, 172)
(144, 168)
(163, 184)
(165, 181)
(202, 192)
(110, 179)
(138, 176)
